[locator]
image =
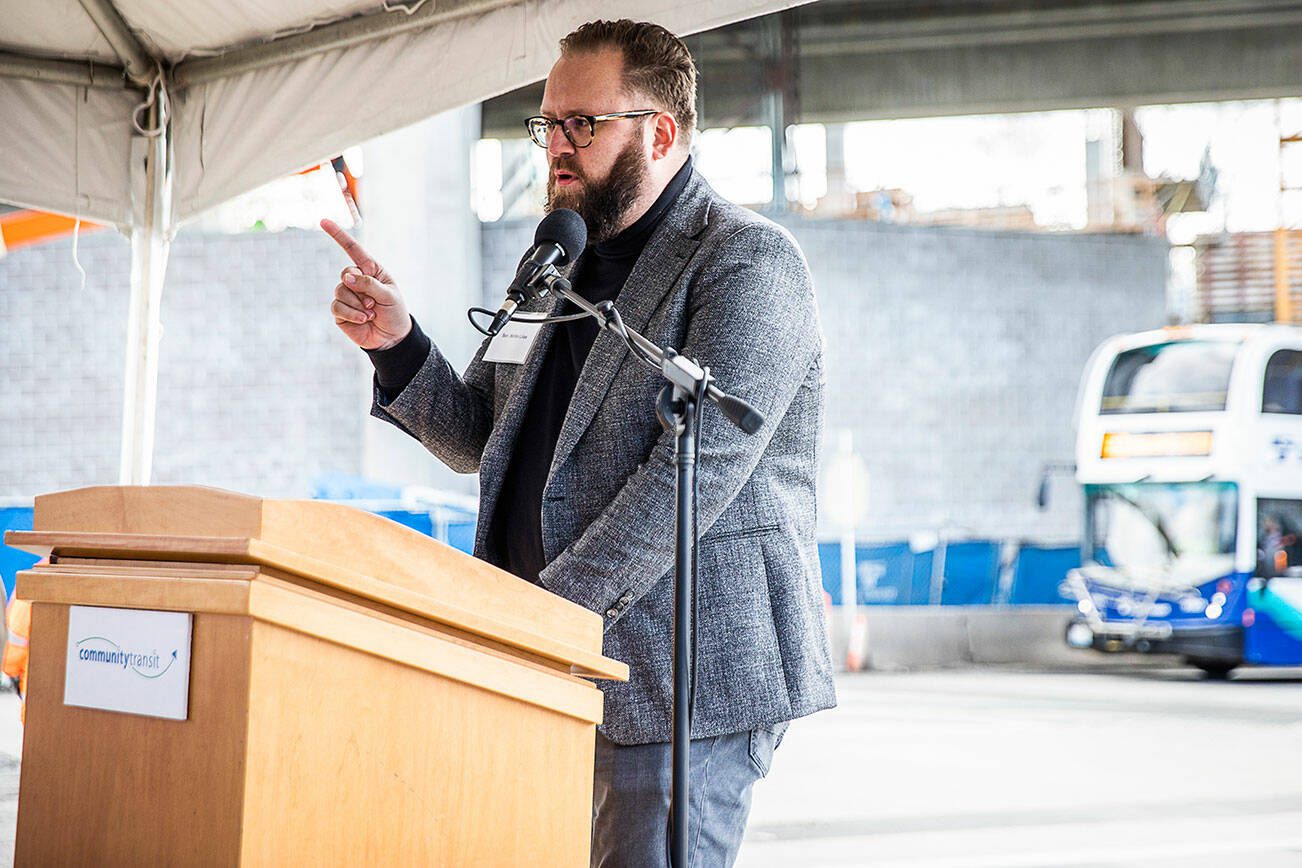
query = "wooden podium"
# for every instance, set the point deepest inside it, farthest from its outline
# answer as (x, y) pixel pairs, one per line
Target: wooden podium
(359, 694)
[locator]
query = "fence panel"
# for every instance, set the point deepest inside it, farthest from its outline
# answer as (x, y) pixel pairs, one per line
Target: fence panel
(13, 561)
(1039, 571)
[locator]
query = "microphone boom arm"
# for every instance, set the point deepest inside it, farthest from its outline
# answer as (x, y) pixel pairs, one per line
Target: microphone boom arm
(682, 372)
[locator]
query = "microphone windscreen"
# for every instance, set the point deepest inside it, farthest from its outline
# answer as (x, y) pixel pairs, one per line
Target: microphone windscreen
(563, 227)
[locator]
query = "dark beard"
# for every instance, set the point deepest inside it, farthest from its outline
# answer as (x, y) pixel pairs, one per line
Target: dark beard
(602, 205)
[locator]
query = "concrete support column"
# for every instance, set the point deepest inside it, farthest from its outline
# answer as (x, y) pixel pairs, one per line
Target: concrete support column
(419, 223)
(779, 102)
(839, 198)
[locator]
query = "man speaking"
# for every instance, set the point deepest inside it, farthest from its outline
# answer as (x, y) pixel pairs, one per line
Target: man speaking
(576, 474)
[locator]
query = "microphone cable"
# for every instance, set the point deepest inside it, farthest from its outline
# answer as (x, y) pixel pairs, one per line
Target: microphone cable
(470, 315)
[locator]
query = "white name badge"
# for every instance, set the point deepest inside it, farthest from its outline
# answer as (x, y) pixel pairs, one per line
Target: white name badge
(511, 345)
(128, 660)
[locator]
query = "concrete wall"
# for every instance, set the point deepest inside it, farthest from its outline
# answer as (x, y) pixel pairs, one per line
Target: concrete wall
(953, 357)
(900, 638)
(258, 391)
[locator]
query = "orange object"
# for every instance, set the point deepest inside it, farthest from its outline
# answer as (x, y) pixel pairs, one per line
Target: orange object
(18, 633)
(24, 228)
(18, 618)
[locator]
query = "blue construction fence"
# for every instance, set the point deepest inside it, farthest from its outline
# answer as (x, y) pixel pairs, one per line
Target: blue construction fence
(450, 524)
(446, 518)
(12, 560)
(970, 572)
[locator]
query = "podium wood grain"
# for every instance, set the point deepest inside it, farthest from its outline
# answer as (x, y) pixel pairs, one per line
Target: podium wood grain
(340, 722)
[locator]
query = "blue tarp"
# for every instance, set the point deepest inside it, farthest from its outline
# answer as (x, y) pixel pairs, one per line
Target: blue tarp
(460, 529)
(447, 522)
(459, 523)
(461, 535)
(889, 574)
(420, 521)
(13, 561)
(971, 573)
(1038, 573)
(892, 574)
(348, 486)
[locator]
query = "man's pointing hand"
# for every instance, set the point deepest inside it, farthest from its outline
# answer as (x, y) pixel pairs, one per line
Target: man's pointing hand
(367, 305)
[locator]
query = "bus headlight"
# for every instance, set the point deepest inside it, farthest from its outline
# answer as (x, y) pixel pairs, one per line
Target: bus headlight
(1079, 635)
(1216, 606)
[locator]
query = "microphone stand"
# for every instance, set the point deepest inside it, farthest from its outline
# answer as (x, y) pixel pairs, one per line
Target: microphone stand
(679, 408)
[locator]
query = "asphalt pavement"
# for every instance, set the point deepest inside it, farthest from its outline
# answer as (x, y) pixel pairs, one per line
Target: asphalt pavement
(1000, 767)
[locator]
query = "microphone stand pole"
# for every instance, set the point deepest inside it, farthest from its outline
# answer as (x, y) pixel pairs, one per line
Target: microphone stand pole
(679, 408)
(678, 412)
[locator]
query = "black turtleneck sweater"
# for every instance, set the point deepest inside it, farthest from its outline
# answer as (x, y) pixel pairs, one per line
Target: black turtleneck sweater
(516, 533)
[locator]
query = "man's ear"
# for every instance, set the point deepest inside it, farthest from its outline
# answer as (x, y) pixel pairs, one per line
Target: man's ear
(664, 135)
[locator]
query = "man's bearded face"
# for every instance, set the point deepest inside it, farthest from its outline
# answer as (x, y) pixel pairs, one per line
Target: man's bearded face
(602, 203)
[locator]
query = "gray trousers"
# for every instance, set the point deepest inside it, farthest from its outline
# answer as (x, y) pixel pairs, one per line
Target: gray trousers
(631, 789)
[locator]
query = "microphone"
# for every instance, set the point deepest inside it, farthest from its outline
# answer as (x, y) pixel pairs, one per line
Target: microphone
(559, 238)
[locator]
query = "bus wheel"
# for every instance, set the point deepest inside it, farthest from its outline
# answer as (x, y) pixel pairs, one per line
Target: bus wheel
(1215, 669)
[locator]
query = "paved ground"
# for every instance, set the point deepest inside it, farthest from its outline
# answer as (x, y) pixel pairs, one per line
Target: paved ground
(976, 767)
(11, 748)
(1023, 768)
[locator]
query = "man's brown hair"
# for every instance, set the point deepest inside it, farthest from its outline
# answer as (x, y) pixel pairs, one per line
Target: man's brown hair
(656, 64)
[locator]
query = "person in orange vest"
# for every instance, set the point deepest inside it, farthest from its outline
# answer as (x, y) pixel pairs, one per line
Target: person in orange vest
(18, 620)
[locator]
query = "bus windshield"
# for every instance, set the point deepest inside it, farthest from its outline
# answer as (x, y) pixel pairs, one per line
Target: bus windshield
(1180, 376)
(1162, 535)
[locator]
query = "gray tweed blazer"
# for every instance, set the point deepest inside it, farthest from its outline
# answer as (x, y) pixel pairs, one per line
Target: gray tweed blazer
(730, 288)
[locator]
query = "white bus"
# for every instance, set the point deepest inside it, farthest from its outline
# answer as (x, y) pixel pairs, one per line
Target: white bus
(1189, 450)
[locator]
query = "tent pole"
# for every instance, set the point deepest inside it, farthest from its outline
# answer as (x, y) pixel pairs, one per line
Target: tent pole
(89, 74)
(139, 64)
(152, 191)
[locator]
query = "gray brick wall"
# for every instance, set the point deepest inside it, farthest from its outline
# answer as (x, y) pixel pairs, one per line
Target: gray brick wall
(953, 356)
(257, 390)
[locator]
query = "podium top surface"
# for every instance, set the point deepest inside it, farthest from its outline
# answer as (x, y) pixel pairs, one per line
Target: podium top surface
(358, 552)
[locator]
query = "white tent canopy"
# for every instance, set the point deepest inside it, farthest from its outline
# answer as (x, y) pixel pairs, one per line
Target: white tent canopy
(258, 90)
(144, 113)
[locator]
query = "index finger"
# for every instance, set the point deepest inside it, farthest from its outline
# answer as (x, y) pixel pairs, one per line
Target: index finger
(354, 250)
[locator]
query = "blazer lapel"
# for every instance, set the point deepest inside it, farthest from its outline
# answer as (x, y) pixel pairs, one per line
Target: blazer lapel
(667, 253)
(501, 442)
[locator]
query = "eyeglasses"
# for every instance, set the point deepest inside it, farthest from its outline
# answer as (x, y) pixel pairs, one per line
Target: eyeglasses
(579, 129)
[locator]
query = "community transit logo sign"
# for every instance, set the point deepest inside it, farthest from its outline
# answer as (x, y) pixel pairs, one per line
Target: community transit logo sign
(128, 660)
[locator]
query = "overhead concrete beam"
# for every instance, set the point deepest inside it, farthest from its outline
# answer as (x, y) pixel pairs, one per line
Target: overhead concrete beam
(850, 83)
(1131, 71)
(989, 26)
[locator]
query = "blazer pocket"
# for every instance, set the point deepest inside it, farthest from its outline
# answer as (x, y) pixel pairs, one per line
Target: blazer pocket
(739, 533)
